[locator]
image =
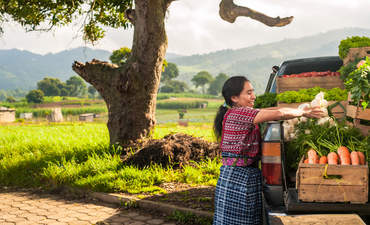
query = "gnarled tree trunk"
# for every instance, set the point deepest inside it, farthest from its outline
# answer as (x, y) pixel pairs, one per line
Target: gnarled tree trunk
(130, 91)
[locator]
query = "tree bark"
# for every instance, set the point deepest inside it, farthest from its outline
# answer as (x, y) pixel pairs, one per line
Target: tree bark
(130, 91)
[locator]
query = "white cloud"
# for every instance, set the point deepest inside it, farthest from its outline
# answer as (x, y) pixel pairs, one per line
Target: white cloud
(194, 26)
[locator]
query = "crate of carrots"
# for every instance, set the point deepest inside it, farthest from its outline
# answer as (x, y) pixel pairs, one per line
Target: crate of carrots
(341, 176)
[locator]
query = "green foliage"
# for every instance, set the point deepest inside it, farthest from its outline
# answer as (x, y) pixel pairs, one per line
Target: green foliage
(44, 15)
(189, 218)
(201, 79)
(92, 91)
(51, 86)
(180, 105)
(266, 100)
(215, 87)
(170, 72)
(76, 86)
(120, 56)
(174, 86)
(352, 42)
(10, 99)
(35, 96)
(306, 95)
(358, 84)
(347, 69)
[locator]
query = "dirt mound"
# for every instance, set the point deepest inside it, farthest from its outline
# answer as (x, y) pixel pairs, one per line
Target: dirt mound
(173, 149)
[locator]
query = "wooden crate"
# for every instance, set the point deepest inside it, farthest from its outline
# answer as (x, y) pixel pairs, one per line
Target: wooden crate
(298, 83)
(357, 114)
(338, 112)
(353, 186)
(354, 53)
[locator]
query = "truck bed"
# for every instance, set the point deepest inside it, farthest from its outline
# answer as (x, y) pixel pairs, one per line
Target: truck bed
(293, 205)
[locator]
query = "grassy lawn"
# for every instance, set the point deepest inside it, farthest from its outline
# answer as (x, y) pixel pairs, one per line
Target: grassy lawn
(78, 154)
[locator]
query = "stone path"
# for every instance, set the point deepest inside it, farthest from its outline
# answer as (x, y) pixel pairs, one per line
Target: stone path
(23, 207)
(28, 208)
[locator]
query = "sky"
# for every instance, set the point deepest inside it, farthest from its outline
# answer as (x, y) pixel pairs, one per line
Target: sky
(195, 27)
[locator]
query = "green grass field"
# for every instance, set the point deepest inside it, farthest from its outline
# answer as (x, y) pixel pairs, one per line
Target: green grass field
(78, 154)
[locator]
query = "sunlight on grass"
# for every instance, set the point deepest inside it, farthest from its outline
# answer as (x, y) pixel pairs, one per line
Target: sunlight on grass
(78, 154)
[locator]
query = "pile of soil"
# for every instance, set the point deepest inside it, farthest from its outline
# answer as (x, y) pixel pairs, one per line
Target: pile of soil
(174, 150)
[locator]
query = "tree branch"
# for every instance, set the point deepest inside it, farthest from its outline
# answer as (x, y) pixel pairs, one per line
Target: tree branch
(229, 12)
(130, 15)
(95, 72)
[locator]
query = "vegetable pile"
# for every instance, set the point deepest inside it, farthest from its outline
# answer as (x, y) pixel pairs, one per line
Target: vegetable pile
(326, 139)
(313, 74)
(306, 95)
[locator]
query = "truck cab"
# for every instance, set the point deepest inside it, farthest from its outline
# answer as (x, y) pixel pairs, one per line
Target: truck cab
(279, 188)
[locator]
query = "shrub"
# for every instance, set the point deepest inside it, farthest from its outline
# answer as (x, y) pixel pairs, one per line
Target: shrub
(10, 99)
(35, 96)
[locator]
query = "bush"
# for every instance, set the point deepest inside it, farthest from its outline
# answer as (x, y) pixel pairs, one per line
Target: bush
(35, 96)
(352, 42)
(10, 99)
(180, 105)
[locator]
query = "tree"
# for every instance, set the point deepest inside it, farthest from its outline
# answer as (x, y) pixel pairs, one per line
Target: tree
(201, 79)
(169, 73)
(120, 56)
(10, 99)
(130, 90)
(174, 86)
(215, 86)
(50, 86)
(35, 96)
(76, 86)
(92, 91)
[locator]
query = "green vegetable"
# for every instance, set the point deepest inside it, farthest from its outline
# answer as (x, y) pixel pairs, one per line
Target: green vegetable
(306, 95)
(266, 100)
(352, 42)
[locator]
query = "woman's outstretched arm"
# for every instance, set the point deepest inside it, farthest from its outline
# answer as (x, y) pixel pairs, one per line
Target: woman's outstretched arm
(287, 113)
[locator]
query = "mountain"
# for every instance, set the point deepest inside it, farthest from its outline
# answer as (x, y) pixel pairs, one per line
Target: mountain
(256, 61)
(23, 69)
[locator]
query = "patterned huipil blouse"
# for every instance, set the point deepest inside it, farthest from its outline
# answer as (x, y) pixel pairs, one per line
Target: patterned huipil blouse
(240, 142)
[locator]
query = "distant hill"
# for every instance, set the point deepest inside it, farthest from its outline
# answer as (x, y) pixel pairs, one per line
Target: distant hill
(256, 61)
(23, 69)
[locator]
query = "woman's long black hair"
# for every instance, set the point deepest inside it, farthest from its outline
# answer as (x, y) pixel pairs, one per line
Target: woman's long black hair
(232, 87)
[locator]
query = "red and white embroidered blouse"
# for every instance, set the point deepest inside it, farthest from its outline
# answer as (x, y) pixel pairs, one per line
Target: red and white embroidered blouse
(239, 135)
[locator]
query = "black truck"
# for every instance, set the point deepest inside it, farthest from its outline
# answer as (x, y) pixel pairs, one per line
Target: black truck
(279, 191)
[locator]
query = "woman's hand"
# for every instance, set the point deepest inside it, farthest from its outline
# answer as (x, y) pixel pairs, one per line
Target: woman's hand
(315, 112)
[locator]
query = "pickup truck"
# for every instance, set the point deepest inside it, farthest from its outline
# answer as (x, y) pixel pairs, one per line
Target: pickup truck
(281, 194)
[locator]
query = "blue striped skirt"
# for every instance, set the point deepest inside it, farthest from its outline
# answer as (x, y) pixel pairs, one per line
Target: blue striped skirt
(238, 196)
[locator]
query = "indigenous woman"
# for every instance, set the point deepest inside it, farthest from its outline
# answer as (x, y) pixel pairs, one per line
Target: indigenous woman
(238, 196)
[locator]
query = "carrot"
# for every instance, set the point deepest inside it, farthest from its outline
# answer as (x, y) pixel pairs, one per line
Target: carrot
(306, 161)
(344, 155)
(361, 156)
(342, 149)
(317, 159)
(323, 160)
(312, 156)
(332, 158)
(354, 158)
